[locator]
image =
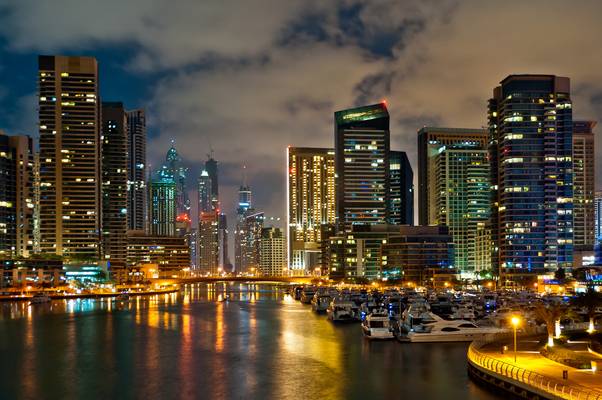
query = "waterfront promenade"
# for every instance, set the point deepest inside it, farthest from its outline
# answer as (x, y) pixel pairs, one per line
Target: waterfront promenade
(532, 373)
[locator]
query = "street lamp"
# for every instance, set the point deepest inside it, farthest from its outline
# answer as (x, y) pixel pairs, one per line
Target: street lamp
(515, 321)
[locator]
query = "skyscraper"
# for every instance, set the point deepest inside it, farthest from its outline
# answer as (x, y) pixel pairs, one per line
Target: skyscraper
(137, 186)
(16, 195)
(463, 190)
(311, 204)
(430, 141)
(208, 239)
(273, 252)
(401, 184)
(205, 192)
(69, 124)
(583, 183)
(114, 184)
(362, 142)
(530, 124)
(163, 189)
(243, 209)
(211, 168)
(224, 259)
(173, 163)
(250, 245)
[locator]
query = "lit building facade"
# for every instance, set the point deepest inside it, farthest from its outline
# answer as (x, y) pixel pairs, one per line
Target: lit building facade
(583, 183)
(169, 253)
(401, 184)
(248, 237)
(463, 188)
(362, 144)
(243, 209)
(419, 255)
(311, 204)
(69, 122)
(530, 125)
(114, 141)
(273, 252)
(598, 216)
(179, 173)
(430, 141)
(208, 242)
(136, 169)
(163, 209)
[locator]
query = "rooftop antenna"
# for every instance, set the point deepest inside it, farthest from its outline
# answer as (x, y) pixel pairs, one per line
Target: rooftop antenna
(244, 175)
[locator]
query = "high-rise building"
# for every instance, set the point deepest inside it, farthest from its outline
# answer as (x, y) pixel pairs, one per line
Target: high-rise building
(463, 200)
(16, 196)
(69, 121)
(224, 259)
(401, 184)
(243, 209)
(598, 216)
(530, 124)
(430, 141)
(273, 252)
(173, 163)
(311, 204)
(163, 189)
(211, 168)
(362, 144)
(250, 246)
(193, 248)
(137, 186)
(168, 253)
(205, 193)
(208, 239)
(583, 183)
(114, 184)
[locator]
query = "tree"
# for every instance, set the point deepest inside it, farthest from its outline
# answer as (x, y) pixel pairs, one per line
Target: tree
(551, 315)
(589, 301)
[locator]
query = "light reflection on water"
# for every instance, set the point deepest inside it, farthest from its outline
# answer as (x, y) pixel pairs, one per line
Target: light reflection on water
(195, 344)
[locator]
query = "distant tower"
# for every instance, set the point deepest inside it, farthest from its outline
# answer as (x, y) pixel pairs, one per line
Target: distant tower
(211, 168)
(163, 189)
(205, 193)
(401, 183)
(173, 162)
(584, 183)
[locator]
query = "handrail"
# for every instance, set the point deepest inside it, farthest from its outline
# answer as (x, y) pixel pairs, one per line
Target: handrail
(531, 378)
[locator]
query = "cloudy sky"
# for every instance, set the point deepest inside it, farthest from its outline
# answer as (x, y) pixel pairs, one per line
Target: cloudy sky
(247, 78)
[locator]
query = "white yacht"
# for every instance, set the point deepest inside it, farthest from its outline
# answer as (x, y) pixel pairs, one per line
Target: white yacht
(377, 325)
(440, 330)
(341, 309)
(40, 298)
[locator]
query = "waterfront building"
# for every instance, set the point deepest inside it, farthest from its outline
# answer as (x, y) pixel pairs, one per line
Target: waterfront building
(208, 242)
(311, 204)
(163, 192)
(598, 216)
(22, 271)
(530, 125)
(462, 199)
(136, 169)
(430, 141)
(248, 241)
(242, 210)
(169, 253)
(16, 196)
(272, 252)
(419, 255)
(173, 164)
(36, 203)
(114, 182)
(401, 183)
(193, 246)
(69, 123)
(362, 141)
(583, 183)
(224, 259)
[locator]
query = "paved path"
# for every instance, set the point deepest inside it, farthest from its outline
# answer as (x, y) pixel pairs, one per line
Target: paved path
(528, 357)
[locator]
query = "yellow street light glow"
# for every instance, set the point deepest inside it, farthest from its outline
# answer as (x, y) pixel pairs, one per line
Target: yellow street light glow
(515, 321)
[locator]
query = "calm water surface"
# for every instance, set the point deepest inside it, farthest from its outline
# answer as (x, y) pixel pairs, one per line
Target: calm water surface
(260, 345)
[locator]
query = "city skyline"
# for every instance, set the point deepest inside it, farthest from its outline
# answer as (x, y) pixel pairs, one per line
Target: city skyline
(218, 87)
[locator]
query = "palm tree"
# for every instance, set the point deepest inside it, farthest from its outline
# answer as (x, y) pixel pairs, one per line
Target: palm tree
(551, 315)
(589, 300)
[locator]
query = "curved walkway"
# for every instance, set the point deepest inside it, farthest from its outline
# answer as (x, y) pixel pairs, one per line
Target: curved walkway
(532, 372)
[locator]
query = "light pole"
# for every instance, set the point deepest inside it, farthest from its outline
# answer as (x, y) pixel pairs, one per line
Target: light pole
(515, 321)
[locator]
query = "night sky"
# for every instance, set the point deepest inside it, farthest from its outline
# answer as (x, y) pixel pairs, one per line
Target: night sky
(248, 78)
